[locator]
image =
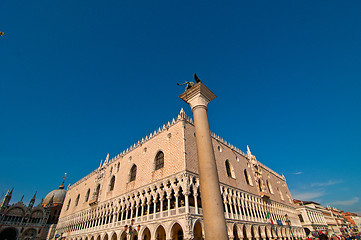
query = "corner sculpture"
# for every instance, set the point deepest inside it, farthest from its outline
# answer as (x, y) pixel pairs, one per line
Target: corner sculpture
(190, 84)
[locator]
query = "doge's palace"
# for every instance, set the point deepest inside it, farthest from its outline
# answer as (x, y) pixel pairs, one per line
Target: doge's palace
(151, 191)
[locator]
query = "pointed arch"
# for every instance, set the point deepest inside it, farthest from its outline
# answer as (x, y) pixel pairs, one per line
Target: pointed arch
(160, 233)
(269, 186)
(159, 161)
(68, 205)
(280, 193)
(77, 200)
(112, 183)
(260, 185)
(96, 192)
(177, 232)
(235, 232)
(247, 177)
(87, 195)
(133, 173)
(146, 234)
(198, 231)
(229, 169)
(105, 237)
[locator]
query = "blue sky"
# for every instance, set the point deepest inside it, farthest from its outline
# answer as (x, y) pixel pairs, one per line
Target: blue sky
(80, 79)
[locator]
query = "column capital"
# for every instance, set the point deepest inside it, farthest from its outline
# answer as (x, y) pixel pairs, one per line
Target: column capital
(198, 95)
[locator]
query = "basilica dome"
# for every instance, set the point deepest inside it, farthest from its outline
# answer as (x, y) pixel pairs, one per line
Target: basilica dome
(58, 196)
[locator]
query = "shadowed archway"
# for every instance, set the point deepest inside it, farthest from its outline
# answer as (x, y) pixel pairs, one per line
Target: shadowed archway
(9, 233)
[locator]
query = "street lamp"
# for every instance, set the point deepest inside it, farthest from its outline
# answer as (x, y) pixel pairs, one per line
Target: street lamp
(288, 222)
(131, 230)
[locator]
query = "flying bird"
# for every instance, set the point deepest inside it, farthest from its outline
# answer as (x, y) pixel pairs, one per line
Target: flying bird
(1, 33)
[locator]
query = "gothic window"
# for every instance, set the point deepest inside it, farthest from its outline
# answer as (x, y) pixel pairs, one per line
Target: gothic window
(133, 173)
(269, 187)
(96, 193)
(280, 193)
(159, 160)
(111, 184)
(67, 206)
(260, 185)
(87, 195)
(118, 167)
(229, 170)
(247, 177)
(77, 200)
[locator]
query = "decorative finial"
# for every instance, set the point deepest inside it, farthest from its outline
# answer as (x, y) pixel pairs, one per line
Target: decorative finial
(248, 151)
(62, 184)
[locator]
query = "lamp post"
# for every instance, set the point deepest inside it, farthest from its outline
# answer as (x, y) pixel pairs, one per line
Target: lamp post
(288, 222)
(131, 230)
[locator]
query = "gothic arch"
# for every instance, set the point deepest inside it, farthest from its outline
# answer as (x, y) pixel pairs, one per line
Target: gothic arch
(262, 231)
(105, 237)
(247, 177)
(247, 232)
(145, 234)
(198, 230)
(87, 195)
(123, 236)
(176, 231)
(229, 169)
(235, 232)
(112, 183)
(160, 233)
(255, 231)
(132, 173)
(159, 160)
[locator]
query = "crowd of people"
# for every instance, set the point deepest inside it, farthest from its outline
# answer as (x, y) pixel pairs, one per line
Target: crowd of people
(324, 236)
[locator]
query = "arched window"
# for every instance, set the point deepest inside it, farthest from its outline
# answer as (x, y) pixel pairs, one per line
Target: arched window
(118, 167)
(96, 193)
(269, 187)
(280, 193)
(77, 200)
(67, 206)
(260, 185)
(111, 184)
(229, 170)
(247, 177)
(159, 160)
(133, 173)
(87, 195)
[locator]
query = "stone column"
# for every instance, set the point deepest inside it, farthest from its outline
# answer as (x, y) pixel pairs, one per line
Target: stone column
(196, 202)
(198, 98)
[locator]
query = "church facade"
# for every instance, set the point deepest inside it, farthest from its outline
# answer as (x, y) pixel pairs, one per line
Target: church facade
(151, 191)
(27, 222)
